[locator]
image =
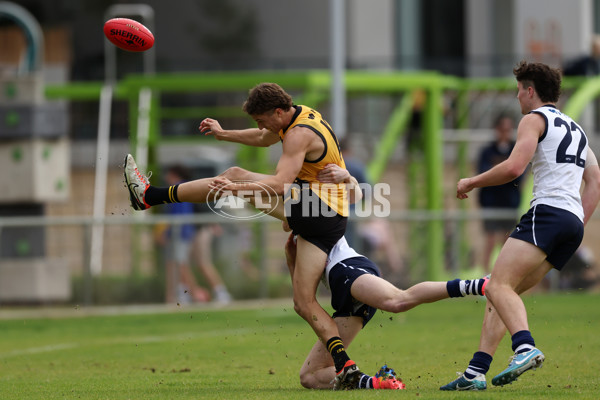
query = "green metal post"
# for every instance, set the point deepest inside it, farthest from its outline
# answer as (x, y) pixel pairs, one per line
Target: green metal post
(434, 161)
(414, 182)
(136, 244)
(462, 122)
(394, 129)
(154, 135)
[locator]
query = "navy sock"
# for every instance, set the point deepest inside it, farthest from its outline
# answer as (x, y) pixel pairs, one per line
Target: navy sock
(479, 364)
(462, 288)
(522, 341)
(365, 382)
(453, 288)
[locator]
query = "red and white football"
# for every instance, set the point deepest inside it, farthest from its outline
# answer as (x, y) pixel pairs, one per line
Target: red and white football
(128, 34)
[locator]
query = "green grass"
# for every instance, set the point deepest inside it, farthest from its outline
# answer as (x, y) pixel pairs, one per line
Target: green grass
(255, 353)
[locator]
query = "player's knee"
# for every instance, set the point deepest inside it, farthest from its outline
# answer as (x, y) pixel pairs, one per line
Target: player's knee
(395, 305)
(396, 302)
(300, 309)
(303, 309)
(307, 380)
(491, 288)
(297, 307)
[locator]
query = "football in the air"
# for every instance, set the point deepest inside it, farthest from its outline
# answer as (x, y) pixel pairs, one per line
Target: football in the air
(128, 34)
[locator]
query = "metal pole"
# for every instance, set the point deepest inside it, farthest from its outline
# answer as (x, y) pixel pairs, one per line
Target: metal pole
(88, 283)
(338, 59)
(99, 205)
(434, 160)
(32, 30)
(143, 129)
(104, 117)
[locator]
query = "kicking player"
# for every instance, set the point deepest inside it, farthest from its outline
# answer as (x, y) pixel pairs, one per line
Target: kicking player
(548, 234)
(308, 145)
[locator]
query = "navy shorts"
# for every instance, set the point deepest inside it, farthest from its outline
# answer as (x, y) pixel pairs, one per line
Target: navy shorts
(556, 231)
(341, 277)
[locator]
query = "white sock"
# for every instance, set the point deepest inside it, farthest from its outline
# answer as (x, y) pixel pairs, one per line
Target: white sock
(524, 348)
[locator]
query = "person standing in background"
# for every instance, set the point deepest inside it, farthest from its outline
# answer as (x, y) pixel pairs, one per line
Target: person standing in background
(185, 242)
(586, 65)
(506, 196)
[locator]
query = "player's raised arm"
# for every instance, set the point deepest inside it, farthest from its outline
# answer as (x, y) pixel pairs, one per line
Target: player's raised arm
(252, 137)
(294, 151)
(530, 129)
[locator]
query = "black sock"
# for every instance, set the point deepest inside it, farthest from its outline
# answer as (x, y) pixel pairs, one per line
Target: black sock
(161, 195)
(338, 352)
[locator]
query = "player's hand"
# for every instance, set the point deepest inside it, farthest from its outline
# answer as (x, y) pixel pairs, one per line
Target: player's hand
(463, 187)
(333, 173)
(219, 183)
(286, 226)
(212, 127)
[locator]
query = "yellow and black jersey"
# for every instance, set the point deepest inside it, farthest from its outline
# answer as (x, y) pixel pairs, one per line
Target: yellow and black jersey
(333, 195)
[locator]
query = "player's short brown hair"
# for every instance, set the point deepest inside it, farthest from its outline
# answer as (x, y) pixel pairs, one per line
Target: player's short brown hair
(544, 79)
(266, 97)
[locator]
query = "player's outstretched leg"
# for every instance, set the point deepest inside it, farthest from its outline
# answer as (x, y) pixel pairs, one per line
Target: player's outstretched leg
(137, 184)
(519, 363)
(350, 378)
(386, 378)
(466, 287)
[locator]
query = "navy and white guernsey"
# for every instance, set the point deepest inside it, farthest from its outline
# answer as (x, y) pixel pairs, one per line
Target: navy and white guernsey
(558, 162)
(340, 252)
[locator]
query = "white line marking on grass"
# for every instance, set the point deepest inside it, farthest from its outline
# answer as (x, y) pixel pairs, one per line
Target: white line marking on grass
(41, 349)
(124, 340)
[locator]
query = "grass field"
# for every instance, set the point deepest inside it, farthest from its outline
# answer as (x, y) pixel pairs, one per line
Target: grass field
(254, 351)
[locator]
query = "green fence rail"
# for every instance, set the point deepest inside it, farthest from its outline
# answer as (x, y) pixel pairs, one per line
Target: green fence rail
(313, 88)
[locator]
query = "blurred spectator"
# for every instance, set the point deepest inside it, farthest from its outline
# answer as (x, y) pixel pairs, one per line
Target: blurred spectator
(183, 241)
(586, 65)
(245, 247)
(357, 169)
(507, 196)
(374, 234)
(202, 255)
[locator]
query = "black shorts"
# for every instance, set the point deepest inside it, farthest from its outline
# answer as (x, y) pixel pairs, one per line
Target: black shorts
(556, 231)
(319, 225)
(341, 277)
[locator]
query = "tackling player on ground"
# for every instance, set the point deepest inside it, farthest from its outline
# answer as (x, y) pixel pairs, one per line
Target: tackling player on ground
(357, 291)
